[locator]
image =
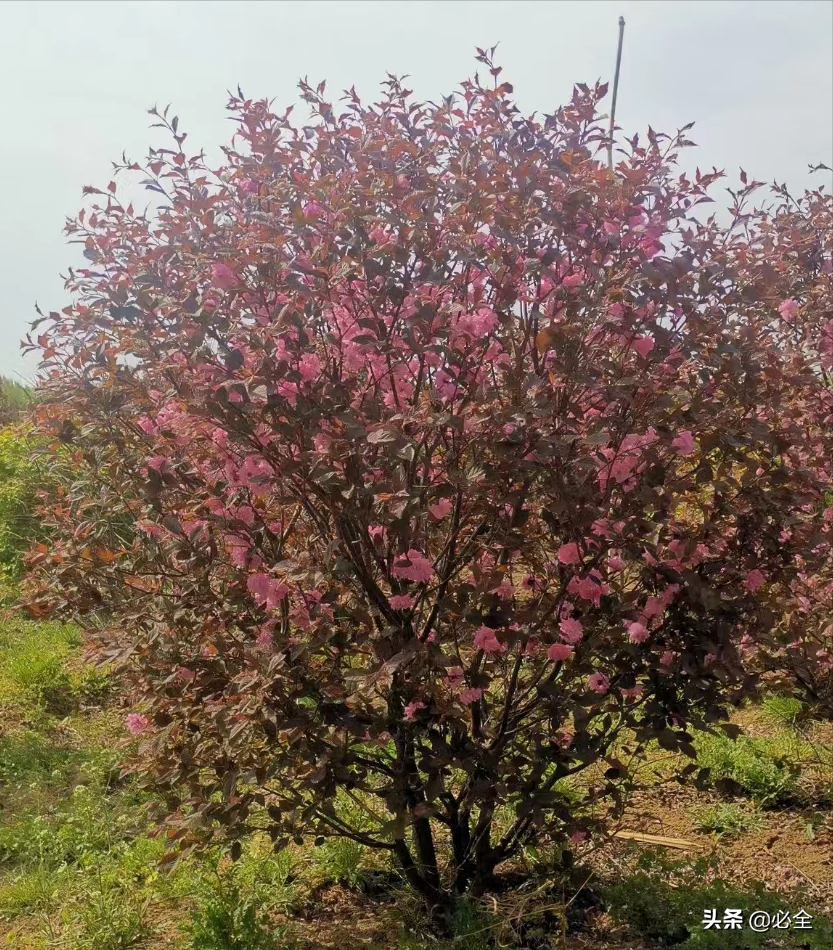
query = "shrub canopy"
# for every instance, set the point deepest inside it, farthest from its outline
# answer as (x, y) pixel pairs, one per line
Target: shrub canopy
(426, 460)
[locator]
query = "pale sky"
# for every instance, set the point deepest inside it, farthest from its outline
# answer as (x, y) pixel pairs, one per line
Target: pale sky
(756, 77)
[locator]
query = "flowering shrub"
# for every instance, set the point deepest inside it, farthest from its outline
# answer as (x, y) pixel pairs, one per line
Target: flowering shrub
(425, 459)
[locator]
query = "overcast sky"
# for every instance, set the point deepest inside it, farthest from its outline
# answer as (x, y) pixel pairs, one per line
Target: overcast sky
(756, 77)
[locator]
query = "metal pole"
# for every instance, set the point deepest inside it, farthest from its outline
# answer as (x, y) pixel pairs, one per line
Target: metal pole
(615, 92)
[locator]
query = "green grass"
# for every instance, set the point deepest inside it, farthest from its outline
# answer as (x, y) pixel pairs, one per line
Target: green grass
(664, 900)
(784, 710)
(79, 862)
(726, 819)
(764, 769)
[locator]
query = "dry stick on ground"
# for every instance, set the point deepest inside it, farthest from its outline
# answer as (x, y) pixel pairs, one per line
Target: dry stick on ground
(682, 844)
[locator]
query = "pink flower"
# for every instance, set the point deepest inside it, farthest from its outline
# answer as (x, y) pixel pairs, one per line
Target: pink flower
(264, 637)
(137, 723)
(828, 514)
(754, 579)
(598, 682)
(266, 589)
(559, 651)
(643, 345)
(586, 588)
(569, 554)
(258, 586)
(249, 187)
(532, 648)
(684, 443)
(454, 677)
(413, 567)
(412, 709)
(638, 633)
(504, 590)
(210, 302)
(572, 281)
(653, 607)
(571, 630)
(441, 508)
(633, 693)
(788, 308)
(312, 209)
(578, 836)
(222, 276)
(401, 601)
(615, 563)
(470, 696)
(185, 674)
(309, 367)
(486, 640)
(667, 658)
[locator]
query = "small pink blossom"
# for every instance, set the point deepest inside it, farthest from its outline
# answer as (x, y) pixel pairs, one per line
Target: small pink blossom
(137, 723)
(684, 443)
(633, 693)
(532, 647)
(222, 276)
(638, 633)
(559, 651)
(788, 308)
(615, 563)
(249, 187)
(643, 345)
(505, 590)
(754, 579)
(401, 601)
(441, 508)
(454, 677)
(412, 709)
(598, 682)
(486, 640)
(586, 588)
(653, 607)
(322, 443)
(569, 554)
(413, 567)
(266, 589)
(470, 695)
(312, 209)
(578, 836)
(571, 630)
(309, 367)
